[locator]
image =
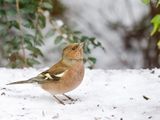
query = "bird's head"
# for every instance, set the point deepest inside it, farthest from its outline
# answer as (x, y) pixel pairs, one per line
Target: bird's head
(73, 51)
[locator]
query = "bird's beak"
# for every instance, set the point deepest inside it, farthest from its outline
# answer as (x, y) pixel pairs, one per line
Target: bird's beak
(81, 45)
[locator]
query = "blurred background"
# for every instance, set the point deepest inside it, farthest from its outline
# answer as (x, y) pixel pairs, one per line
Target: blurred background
(122, 30)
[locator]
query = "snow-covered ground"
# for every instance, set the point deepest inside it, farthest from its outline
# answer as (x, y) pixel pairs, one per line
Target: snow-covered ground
(103, 95)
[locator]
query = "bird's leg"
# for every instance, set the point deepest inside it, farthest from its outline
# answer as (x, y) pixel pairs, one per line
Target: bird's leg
(68, 97)
(58, 100)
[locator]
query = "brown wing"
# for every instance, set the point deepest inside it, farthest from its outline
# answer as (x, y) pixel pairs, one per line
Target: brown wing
(54, 73)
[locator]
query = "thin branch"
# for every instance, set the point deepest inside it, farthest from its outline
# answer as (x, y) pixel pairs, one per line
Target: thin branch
(39, 11)
(21, 33)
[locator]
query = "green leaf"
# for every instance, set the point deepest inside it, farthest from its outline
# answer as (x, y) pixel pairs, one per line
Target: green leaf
(1, 2)
(15, 43)
(28, 23)
(146, 1)
(14, 24)
(158, 44)
(156, 24)
(77, 32)
(158, 3)
(87, 50)
(75, 38)
(38, 51)
(25, 1)
(2, 12)
(35, 52)
(96, 43)
(10, 1)
(3, 33)
(47, 5)
(2, 28)
(42, 21)
(83, 38)
(58, 39)
(92, 38)
(92, 59)
(70, 40)
(28, 39)
(49, 34)
(11, 12)
(38, 40)
(29, 8)
(31, 61)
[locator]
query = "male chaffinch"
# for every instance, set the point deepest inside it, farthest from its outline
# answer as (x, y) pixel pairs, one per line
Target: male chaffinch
(65, 75)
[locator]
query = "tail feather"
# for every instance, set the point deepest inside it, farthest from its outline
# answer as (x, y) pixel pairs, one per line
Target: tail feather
(21, 82)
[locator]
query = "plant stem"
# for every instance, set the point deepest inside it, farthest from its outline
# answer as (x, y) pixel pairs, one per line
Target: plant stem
(21, 33)
(36, 21)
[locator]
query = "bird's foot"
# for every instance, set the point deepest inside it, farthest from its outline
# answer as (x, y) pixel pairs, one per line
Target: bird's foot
(69, 100)
(61, 102)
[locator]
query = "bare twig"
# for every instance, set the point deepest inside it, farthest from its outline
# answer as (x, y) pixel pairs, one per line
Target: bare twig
(21, 32)
(39, 11)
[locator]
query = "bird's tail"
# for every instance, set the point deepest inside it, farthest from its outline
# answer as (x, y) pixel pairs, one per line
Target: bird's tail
(21, 82)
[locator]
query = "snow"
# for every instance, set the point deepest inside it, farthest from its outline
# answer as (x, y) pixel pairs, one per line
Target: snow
(103, 95)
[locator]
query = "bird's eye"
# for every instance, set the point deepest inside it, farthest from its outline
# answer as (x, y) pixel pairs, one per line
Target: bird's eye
(75, 47)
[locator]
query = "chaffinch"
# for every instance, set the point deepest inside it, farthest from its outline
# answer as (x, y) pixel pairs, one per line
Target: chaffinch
(64, 76)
